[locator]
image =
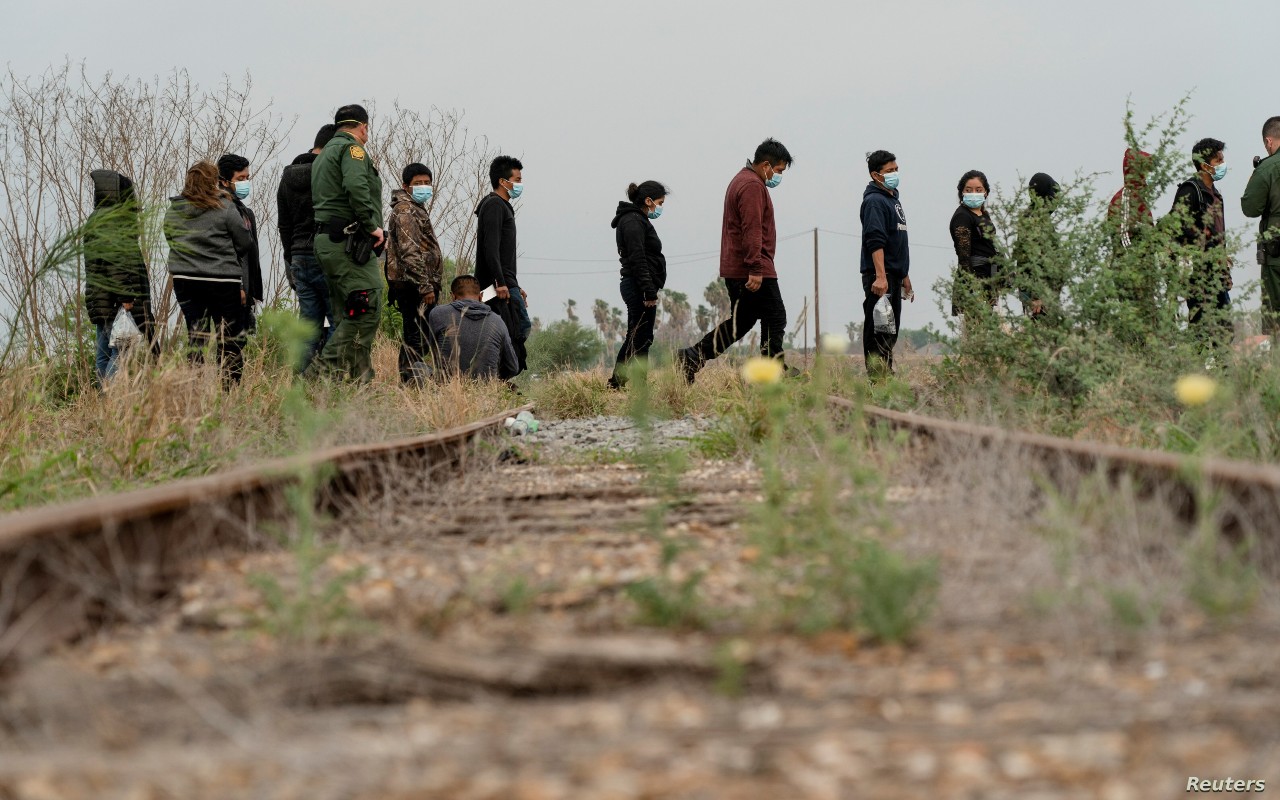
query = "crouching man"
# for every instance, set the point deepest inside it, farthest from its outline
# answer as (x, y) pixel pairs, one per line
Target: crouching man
(468, 338)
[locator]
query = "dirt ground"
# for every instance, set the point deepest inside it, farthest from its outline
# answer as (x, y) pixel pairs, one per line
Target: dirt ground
(497, 656)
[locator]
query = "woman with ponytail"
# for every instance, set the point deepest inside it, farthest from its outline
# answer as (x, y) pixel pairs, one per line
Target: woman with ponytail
(644, 270)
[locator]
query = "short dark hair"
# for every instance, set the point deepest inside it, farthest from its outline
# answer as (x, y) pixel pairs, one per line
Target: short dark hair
(465, 284)
(323, 135)
(350, 116)
(229, 164)
(968, 176)
(501, 169)
(1271, 128)
(1204, 150)
(649, 190)
(877, 160)
(414, 170)
(773, 151)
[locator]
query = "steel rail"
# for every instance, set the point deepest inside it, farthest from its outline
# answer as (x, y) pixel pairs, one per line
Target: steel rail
(1248, 492)
(66, 567)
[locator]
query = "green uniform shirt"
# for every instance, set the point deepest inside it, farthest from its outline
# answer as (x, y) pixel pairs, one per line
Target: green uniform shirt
(1262, 199)
(344, 184)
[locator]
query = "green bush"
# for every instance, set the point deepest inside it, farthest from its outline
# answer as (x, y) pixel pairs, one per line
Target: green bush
(564, 345)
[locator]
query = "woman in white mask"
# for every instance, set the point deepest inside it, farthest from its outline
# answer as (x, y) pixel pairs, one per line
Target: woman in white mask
(974, 236)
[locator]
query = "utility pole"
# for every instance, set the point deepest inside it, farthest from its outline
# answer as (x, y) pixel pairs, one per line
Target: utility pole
(817, 315)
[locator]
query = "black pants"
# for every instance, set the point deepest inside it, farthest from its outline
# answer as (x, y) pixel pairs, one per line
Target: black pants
(1215, 328)
(406, 296)
(746, 309)
(640, 322)
(878, 347)
(212, 311)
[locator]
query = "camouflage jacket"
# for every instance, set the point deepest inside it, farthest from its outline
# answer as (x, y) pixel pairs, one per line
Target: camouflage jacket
(413, 252)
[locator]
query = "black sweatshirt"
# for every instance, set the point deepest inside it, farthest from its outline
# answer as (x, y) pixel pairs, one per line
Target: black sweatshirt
(295, 216)
(640, 249)
(496, 243)
(974, 237)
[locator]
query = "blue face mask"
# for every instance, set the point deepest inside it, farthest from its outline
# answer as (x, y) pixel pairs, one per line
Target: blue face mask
(773, 182)
(972, 199)
(656, 212)
(1220, 172)
(517, 189)
(243, 188)
(891, 180)
(421, 194)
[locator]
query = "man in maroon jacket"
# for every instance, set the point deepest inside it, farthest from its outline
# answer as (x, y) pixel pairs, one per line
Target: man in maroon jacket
(748, 238)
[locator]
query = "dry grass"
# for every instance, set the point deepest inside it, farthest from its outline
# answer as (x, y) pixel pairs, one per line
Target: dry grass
(163, 421)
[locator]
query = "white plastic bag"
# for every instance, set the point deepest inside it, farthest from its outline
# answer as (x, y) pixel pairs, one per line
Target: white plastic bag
(882, 316)
(124, 331)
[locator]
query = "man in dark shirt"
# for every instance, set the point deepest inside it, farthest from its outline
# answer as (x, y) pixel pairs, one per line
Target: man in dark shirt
(748, 240)
(886, 260)
(470, 339)
(496, 250)
(1199, 210)
(296, 219)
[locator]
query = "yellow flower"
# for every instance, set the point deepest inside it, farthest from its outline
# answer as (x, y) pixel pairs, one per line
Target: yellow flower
(833, 344)
(1195, 390)
(762, 370)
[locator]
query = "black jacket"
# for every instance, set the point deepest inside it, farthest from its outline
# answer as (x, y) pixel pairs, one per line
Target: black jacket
(884, 227)
(295, 215)
(496, 243)
(640, 249)
(253, 263)
(1204, 226)
(115, 271)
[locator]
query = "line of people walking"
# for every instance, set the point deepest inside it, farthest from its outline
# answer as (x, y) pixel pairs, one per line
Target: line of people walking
(331, 224)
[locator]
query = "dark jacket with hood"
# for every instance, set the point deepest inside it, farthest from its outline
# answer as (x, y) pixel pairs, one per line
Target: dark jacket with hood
(252, 260)
(473, 341)
(640, 249)
(1127, 211)
(884, 227)
(115, 272)
(295, 216)
(496, 243)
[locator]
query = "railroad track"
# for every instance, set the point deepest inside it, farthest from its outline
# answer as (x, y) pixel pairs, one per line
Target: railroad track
(65, 568)
(1249, 493)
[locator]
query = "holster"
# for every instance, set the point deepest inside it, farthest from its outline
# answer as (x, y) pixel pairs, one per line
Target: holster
(359, 247)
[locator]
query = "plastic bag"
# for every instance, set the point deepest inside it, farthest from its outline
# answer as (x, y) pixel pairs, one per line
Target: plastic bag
(124, 331)
(882, 316)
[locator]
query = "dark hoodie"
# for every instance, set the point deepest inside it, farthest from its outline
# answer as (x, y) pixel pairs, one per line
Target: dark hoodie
(472, 340)
(115, 271)
(496, 243)
(1127, 210)
(640, 249)
(295, 216)
(884, 227)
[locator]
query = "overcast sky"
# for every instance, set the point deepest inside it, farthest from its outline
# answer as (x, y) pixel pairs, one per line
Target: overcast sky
(593, 95)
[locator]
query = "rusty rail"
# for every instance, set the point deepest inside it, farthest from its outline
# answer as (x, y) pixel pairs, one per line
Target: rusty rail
(1249, 493)
(67, 567)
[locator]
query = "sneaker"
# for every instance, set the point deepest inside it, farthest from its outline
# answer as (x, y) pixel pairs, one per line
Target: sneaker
(689, 362)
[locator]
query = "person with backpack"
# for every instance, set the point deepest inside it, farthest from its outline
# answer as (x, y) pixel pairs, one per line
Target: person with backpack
(296, 220)
(414, 266)
(644, 271)
(115, 273)
(1198, 210)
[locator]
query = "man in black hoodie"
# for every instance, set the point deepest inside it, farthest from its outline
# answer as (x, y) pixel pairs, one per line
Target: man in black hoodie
(297, 222)
(233, 175)
(885, 260)
(115, 273)
(496, 250)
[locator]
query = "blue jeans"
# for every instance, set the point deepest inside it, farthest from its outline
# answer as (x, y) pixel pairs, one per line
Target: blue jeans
(313, 300)
(105, 357)
(522, 311)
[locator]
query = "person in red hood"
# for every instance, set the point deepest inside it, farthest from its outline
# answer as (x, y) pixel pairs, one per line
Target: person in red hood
(1127, 209)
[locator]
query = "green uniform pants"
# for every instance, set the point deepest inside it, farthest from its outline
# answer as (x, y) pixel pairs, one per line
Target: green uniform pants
(349, 351)
(1271, 296)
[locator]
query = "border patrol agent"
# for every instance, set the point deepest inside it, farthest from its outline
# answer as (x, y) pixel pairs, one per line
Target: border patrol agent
(1262, 199)
(347, 195)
